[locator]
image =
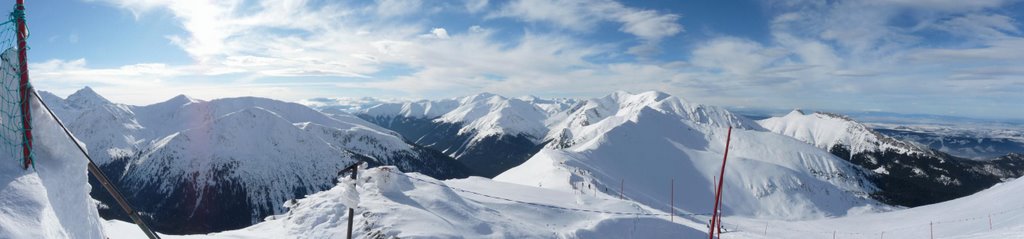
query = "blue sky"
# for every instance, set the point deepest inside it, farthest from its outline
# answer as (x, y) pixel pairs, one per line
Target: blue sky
(947, 57)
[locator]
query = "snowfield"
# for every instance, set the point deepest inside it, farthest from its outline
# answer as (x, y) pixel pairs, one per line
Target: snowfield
(410, 205)
(52, 199)
(610, 173)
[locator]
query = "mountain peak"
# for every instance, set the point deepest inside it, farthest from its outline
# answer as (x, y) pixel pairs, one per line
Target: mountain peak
(87, 96)
(182, 99)
(796, 111)
(656, 95)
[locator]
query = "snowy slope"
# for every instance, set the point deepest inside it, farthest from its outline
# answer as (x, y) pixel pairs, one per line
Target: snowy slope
(343, 104)
(576, 126)
(907, 174)
(486, 132)
(480, 116)
(979, 142)
(399, 205)
(414, 206)
(176, 156)
(418, 109)
(485, 115)
(551, 106)
(992, 213)
(99, 122)
(826, 130)
(231, 160)
(769, 175)
(52, 199)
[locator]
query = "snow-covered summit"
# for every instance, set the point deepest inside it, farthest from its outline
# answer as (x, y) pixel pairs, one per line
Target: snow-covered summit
(578, 125)
(86, 96)
(486, 114)
(828, 130)
(480, 115)
(645, 148)
(253, 151)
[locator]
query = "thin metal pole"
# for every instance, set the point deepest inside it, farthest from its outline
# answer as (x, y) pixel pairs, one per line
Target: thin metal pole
(104, 181)
(352, 212)
(672, 204)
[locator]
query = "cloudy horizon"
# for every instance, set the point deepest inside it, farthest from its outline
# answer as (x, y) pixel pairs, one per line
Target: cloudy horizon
(942, 57)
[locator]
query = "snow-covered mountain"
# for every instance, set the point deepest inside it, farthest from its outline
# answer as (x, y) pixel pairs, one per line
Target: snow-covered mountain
(51, 198)
(489, 133)
(907, 174)
(979, 142)
(202, 166)
(828, 130)
(344, 104)
(654, 138)
(577, 124)
(410, 205)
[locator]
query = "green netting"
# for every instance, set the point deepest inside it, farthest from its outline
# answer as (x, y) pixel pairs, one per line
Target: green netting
(13, 135)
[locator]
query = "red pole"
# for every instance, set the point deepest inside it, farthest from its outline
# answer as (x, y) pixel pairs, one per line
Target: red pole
(24, 88)
(718, 193)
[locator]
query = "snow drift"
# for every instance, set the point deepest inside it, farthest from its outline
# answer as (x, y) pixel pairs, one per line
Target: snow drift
(52, 199)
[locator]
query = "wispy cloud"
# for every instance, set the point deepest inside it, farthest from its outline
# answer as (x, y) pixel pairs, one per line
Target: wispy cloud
(846, 54)
(585, 15)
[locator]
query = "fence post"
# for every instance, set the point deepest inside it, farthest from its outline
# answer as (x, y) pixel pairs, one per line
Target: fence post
(351, 211)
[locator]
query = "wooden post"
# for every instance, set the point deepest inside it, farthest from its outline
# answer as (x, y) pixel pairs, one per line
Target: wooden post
(351, 211)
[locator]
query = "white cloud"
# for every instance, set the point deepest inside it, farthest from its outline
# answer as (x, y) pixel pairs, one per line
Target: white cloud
(437, 33)
(585, 15)
(390, 8)
(984, 26)
(235, 44)
(474, 6)
(835, 54)
(736, 57)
